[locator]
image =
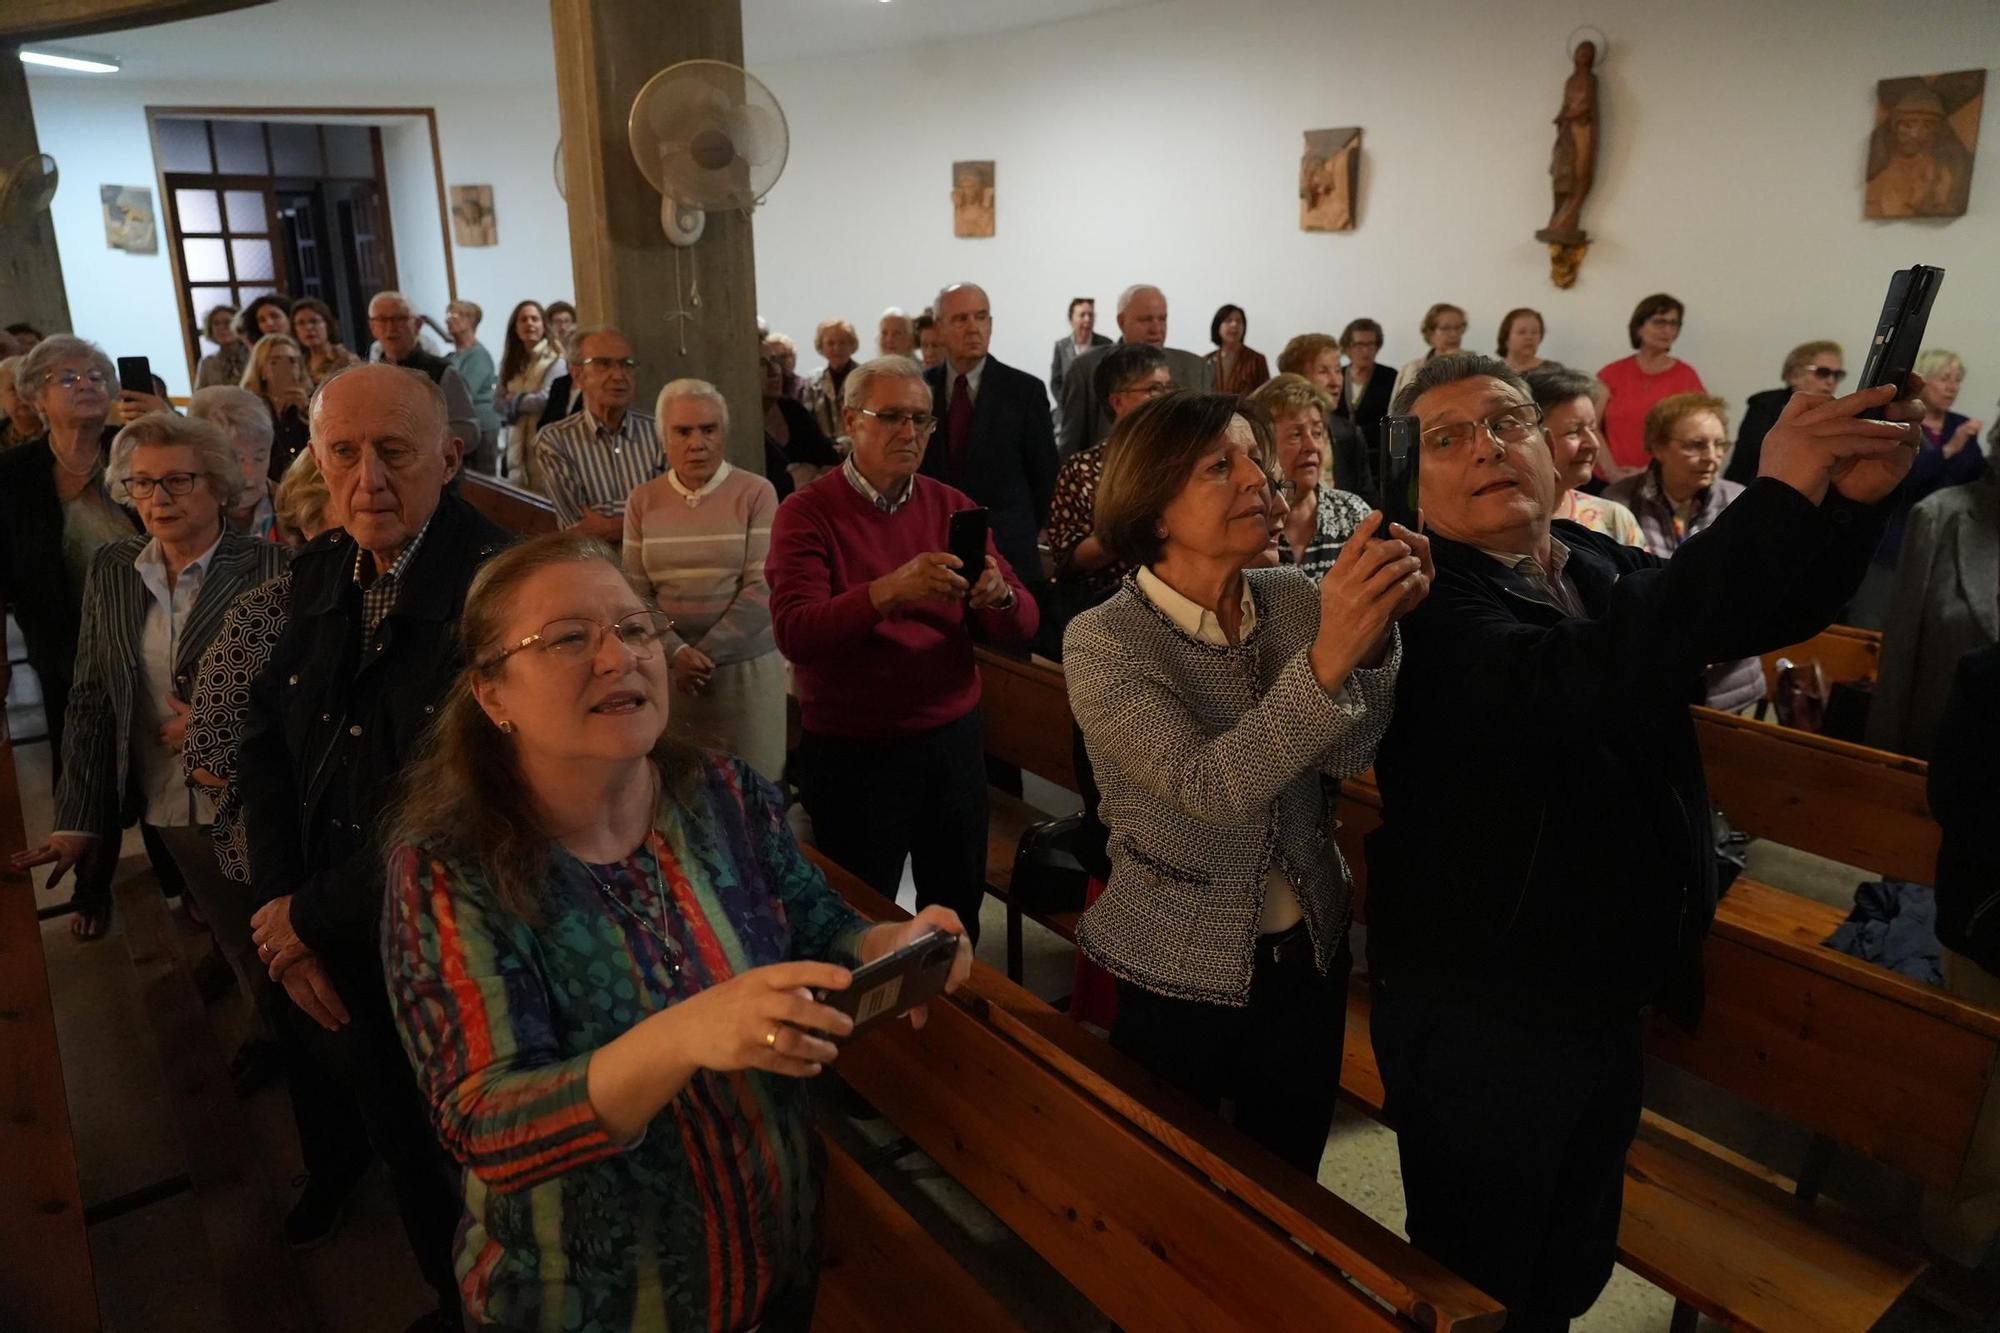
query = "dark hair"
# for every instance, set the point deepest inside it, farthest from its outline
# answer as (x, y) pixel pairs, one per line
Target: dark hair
(1507, 326)
(1215, 325)
(1442, 370)
(25, 327)
(924, 321)
(1123, 363)
(246, 318)
(1147, 458)
(1659, 303)
(1076, 301)
(1552, 385)
(464, 796)
(1438, 312)
(324, 311)
(513, 352)
(554, 308)
(1355, 326)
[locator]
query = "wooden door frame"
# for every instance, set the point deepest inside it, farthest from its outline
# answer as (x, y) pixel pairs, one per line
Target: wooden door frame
(190, 338)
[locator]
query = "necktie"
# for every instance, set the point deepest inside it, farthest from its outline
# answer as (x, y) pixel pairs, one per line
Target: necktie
(958, 422)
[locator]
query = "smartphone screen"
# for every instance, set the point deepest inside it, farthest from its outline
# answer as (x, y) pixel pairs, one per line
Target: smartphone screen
(1398, 470)
(135, 374)
(965, 537)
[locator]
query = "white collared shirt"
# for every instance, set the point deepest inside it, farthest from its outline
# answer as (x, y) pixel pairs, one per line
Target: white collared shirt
(695, 497)
(1281, 902)
(972, 378)
(169, 800)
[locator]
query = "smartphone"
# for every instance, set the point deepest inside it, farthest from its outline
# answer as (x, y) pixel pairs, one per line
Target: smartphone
(1892, 353)
(135, 374)
(1397, 467)
(897, 982)
(965, 537)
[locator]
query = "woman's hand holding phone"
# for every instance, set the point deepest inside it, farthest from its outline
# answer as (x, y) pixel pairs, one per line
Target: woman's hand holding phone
(889, 937)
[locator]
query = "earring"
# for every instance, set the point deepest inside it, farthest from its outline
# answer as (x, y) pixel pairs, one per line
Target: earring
(506, 728)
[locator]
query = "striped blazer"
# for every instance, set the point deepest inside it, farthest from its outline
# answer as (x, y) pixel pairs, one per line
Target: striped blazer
(95, 795)
(1216, 764)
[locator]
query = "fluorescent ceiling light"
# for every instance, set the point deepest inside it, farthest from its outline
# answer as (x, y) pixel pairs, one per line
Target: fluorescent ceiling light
(82, 64)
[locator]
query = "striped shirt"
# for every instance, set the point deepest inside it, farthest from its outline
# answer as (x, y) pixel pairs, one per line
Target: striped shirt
(589, 468)
(710, 1213)
(702, 553)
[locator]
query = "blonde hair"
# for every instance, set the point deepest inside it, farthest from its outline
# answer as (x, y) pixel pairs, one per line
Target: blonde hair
(465, 797)
(1283, 395)
(302, 497)
(260, 356)
(1935, 361)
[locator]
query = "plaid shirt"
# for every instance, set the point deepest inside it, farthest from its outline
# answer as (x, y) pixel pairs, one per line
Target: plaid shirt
(378, 597)
(873, 496)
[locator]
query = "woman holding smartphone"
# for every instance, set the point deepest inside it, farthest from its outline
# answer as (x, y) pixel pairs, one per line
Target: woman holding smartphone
(600, 947)
(1220, 707)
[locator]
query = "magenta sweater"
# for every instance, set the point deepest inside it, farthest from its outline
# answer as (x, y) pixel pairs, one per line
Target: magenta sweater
(859, 674)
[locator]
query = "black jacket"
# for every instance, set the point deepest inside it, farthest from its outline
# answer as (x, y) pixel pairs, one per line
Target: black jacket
(326, 733)
(1367, 414)
(1010, 460)
(1546, 847)
(1760, 413)
(1965, 797)
(34, 582)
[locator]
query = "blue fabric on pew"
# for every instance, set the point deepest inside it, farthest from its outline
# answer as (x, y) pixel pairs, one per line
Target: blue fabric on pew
(1894, 925)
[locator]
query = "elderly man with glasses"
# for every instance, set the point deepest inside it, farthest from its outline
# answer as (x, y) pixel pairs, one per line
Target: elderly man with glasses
(591, 462)
(393, 322)
(1536, 885)
(879, 621)
(369, 648)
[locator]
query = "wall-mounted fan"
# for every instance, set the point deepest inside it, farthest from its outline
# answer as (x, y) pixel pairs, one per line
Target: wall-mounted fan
(26, 188)
(707, 135)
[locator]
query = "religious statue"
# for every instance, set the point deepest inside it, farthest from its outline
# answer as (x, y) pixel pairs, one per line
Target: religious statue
(1572, 167)
(1328, 174)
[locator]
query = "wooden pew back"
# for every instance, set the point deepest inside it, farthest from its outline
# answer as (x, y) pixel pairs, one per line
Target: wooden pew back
(1844, 653)
(521, 512)
(1025, 706)
(1112, 1177)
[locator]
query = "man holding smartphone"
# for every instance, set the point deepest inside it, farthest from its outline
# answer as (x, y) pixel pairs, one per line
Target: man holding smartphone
(878, 620)
(1533, 887)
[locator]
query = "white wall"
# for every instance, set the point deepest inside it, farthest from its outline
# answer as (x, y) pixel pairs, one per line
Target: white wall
(96, 128)
(1162, 143)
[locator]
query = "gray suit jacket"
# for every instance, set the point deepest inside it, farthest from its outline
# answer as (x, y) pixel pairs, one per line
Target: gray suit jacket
(97, 732)
(1065, 356)
(1946, 583)
(1086, 420)
(1216, 764)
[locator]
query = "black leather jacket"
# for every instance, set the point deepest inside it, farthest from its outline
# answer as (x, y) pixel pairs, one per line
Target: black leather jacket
(328, 733)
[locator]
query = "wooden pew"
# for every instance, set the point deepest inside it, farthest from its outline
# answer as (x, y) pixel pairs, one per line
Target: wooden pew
(880, 1272)
(1158, 1213)
(45, 1275)
(522, 512)
(1844, 653)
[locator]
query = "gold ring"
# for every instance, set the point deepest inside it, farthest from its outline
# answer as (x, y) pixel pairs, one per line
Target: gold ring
(771, 1038)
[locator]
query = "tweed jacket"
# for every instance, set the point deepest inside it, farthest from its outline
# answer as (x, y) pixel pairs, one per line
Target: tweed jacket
(1944, 608)
(94, 795)
(1216, 764)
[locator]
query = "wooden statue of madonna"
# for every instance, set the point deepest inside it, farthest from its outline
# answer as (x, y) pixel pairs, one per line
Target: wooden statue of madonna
(1572, 168)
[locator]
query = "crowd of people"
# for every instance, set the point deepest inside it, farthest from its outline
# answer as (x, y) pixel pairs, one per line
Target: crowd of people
(576, 1023)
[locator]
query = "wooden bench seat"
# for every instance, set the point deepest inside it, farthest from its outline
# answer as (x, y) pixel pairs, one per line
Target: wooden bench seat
(1158, 1213)
(1844, 653)
(1715, 1231)
(881, 1272)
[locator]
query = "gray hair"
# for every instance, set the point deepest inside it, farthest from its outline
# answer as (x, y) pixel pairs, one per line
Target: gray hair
(1931, 362)
(240, 413)
(212, 450)
(855, 392)
(690, 388)
(392, 295)
(1553, 385)
(38, 363)
(1442, 370)
(893, 312)
(431, 391)
(573, 349)
(1126, 297)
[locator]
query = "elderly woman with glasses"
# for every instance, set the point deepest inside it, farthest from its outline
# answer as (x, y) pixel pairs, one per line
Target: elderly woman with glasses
(150, 608)
(1220, 708)
(1320, 519)
(1812, 367)
(645, 1142)
(56, 511)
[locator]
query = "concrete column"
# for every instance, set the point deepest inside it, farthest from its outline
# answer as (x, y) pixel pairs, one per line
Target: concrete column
(31, 281)
(606, 50)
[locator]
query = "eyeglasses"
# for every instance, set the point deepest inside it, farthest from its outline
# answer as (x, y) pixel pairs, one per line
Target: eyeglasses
(1828, 373)
(577, 639)
(624, 362)
(174, 483)
(921, 422)
(1510, 425)
(69, 379)
(1448, 328)
(1666, 321)
(1148, 389)
(1701, 447)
